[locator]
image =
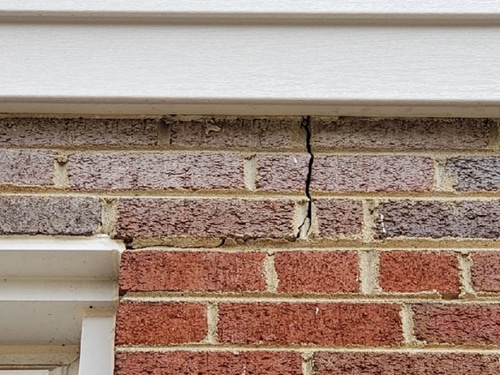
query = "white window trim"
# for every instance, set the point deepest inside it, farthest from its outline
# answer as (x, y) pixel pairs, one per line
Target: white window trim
(362, 57)
(58, 299)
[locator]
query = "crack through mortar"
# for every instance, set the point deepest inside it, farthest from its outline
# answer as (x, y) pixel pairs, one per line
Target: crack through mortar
(304, 228)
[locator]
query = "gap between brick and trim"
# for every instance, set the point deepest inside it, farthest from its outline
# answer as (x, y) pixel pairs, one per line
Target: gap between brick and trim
(305, 226)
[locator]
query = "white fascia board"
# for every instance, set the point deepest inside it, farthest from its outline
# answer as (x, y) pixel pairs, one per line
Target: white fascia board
(324, 57)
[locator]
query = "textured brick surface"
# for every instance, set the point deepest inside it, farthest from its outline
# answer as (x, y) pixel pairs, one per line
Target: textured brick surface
(405, 364)
(190, 171)
(403, 271)
(209, 363)
(160, 323)
(485, 272)
(463, 219)
(205, 218)
(400, 133)
(26, 167)
(317, 271)
(282, 172)
(372, 173)
(475, 173)
(52, 132)
(309, 323)
(272, 133)
(457, 324)
(49, 215)
(339, 218)
(146, 271)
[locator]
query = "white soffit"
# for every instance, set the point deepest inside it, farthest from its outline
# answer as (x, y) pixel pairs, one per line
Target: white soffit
(371, 57)
(49, 285)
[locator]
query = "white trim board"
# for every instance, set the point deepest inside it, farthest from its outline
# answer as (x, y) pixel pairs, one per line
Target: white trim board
(58, 293)
(159, 57)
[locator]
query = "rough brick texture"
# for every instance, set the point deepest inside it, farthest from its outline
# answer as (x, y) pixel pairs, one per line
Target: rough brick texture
(436, 219)
(26, 167)
(400, 133)
(317, 271)
(184, 171)
(468, 324)
(279, 172)
(326, 363)
(69, 132)
(485, 272)
(475, 173)
(49, 215)
(238, 132)
(160, 323)
(209, 363)
(339, 218)
(309, 324)
(148, 271)
(403, 271)
(372, 173)
(205, 218)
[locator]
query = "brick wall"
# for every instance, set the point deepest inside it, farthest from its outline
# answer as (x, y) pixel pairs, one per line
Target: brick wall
(278, 245)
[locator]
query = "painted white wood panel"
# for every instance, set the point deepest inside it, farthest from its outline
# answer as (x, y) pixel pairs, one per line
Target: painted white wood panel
(248, 8)
(207, 65)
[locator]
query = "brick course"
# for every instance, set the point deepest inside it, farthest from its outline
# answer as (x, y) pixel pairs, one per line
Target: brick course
(160, 323)
(403, 271)
(326, 363)
(151, 217)
(148, 271)
(209, 363)
(309, 324)
(143, 171)
(317, 271)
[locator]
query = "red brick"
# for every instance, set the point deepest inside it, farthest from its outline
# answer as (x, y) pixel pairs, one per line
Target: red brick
(187, 171)
(272, 133)
(160, 323)
(282, 172)
(49, 215)
(327, 363)
(339, 218)
(437, 219)
(25, 167)
(465, 324)
(475, 173)
(372, 173)
(220, 218)
(209, 363)
(317, 271)
(358, 133)
(310, 324)
(485, 272)
(67, 132)
(403, 271)
(148, 271)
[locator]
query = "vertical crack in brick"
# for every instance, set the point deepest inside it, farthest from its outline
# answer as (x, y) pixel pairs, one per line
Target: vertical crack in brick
(305, 227)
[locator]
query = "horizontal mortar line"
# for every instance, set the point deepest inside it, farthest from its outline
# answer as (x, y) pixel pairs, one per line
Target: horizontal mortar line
(157, 194)
(8, 189)
(243, 151)
(433, 154)
(313, 299)
(300, 349)
(156, 148)
(260, 249)
(326, 244)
